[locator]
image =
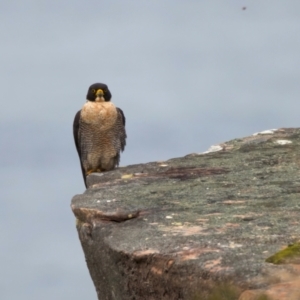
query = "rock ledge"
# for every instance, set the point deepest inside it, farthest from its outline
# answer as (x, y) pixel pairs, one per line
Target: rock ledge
(199, 226)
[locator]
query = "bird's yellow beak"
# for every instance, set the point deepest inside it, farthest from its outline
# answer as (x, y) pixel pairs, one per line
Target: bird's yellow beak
(99, 93)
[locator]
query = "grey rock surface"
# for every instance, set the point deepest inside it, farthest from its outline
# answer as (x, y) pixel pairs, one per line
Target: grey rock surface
(195, 227)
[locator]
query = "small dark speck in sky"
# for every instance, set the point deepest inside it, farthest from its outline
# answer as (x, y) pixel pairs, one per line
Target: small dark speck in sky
(244, 8)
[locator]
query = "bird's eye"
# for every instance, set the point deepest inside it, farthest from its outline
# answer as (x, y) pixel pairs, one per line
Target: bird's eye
(93, 90)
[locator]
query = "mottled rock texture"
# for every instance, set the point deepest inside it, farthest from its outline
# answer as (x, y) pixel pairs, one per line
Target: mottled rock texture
(199, 226)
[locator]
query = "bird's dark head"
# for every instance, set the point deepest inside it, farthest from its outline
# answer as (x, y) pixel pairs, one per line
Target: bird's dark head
(98, 91)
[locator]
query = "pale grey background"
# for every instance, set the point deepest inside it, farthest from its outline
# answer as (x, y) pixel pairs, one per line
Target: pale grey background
(188, 74)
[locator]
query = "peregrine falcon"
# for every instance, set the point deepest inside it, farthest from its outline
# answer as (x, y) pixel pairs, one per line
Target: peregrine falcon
(99, 132)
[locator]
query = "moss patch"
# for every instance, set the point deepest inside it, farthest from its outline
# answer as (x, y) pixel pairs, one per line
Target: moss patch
(291, 254)
(225, 291)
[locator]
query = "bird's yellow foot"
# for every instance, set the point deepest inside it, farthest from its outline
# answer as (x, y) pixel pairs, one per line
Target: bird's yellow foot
(89, 172)
(92, 171)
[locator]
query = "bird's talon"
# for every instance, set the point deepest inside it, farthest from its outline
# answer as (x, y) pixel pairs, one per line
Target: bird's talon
(89, 172)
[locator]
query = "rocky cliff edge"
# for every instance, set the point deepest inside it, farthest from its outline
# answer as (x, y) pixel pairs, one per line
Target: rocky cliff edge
(218, 225)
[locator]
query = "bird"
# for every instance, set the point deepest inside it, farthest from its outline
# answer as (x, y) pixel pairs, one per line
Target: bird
(99, 132)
